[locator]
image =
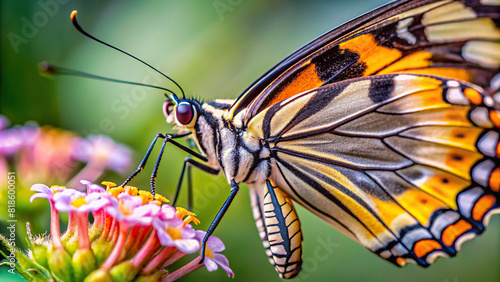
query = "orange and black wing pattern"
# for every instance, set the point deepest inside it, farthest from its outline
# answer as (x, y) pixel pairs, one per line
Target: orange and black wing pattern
(455, 39)
(406, 165)
(388, 127)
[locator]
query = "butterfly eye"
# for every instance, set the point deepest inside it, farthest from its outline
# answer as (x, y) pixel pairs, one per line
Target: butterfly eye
(185, 113)
(167, 108)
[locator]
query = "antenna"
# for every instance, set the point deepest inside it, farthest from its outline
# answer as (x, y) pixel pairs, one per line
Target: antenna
(46, 67)
(80, 29)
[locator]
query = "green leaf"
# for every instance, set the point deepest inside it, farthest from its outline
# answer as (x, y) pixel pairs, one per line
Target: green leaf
(28, 269)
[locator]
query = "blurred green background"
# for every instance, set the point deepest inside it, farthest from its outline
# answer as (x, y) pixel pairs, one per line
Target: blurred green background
(214, 49)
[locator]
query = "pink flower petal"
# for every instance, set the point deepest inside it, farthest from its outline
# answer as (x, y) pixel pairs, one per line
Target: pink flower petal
(91, 187)
(168, 211)
(222, 261)
(42, 188)
(215, 244)
(44, 192)
(187, 246)
(210, 264)
(188, 232)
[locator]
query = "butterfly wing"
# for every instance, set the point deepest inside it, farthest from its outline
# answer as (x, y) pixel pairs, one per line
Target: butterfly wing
(386, 127)
(407, 165)
(456, 39)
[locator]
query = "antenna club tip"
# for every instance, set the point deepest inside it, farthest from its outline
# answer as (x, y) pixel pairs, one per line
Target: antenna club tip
(73, 15)
(46, 67)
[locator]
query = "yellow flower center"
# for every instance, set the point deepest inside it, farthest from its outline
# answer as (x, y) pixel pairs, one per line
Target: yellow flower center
(78, 202)
(115, 191)
(208, 252)
(192, 219)
(161, 199)
(55, 190)
(186, 216)
(145, 196)
(174, 233)
(124, 209)
(108, 184)
(131, 190)
(182, 212)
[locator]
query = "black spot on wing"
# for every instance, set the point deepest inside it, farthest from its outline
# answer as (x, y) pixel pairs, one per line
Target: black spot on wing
(337, 64)
(380, 89)
(387, 35)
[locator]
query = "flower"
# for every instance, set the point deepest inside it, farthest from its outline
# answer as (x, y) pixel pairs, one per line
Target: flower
(132, 237)
(91, 187)
(71, 200)
(17, 137)
(48, 154)
(103, 152)
(45, 192)
(212, 257)
(173, 231)
(43, 154)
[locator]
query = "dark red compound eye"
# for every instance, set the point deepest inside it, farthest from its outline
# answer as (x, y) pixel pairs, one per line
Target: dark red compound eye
(167, 108)
(184, 112)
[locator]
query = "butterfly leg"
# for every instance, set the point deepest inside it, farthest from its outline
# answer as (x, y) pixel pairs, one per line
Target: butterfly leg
(188, 162)
(234, 190)
(192, 145)
(157, 165)
(190, 189)
(185, 149)
(144, 160)
(167, 138)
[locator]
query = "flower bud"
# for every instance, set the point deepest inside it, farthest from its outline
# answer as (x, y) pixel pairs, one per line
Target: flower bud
(124, 271)
(39, 252)
(102, 248)
(99, 275)
(83, 263)
(60, 264)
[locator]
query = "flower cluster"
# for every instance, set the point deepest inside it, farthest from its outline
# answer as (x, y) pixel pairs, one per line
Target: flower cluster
(133, 236)
(34, 154)
(50, 155)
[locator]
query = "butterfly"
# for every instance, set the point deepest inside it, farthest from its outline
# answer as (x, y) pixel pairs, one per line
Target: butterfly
(387, 128)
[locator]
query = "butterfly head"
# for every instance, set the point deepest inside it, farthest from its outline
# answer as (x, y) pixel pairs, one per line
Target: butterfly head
(184, 113)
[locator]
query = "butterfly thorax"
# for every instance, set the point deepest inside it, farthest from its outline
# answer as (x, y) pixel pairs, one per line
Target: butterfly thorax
(241, 156)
